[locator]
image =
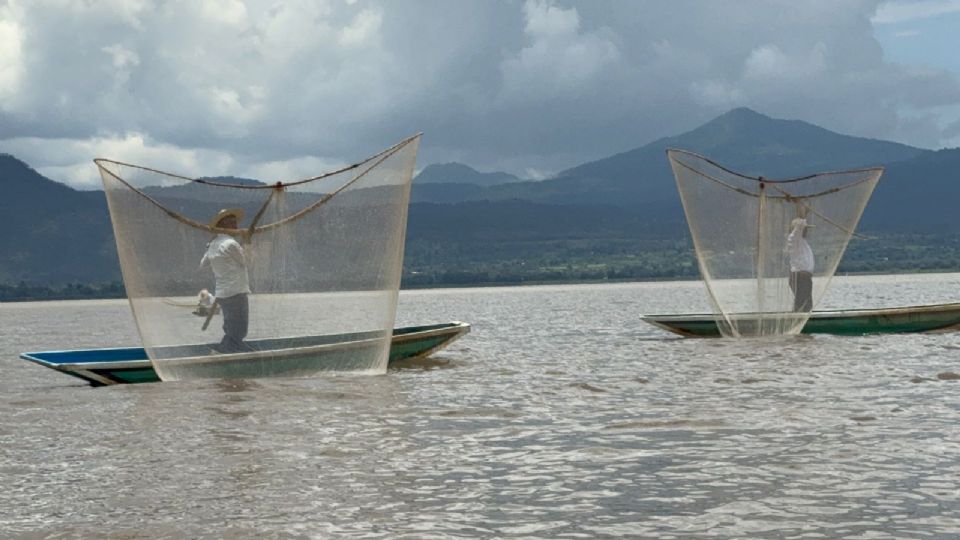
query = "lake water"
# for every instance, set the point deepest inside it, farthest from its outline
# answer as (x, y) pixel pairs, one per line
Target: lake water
(560, 416)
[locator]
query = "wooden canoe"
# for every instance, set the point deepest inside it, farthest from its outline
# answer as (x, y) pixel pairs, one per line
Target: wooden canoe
(848, 322)
(128, 365)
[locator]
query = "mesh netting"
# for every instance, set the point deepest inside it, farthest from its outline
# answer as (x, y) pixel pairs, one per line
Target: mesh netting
(768, 248)
(302, 276)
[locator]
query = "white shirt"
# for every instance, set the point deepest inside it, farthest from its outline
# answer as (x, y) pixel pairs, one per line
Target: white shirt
(225, 255)
(801, 255)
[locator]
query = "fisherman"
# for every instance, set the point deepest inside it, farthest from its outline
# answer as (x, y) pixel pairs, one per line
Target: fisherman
(226, 257)
(801, 265)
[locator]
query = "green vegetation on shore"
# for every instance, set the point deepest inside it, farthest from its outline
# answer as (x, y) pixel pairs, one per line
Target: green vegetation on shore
(466, 263)
(598, 260)
(474, 263)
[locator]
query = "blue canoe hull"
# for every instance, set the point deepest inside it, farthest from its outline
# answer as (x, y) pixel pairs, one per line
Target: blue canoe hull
(130, 365)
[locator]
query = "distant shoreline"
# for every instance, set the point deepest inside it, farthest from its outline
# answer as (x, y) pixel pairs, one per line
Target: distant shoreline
(114, 291)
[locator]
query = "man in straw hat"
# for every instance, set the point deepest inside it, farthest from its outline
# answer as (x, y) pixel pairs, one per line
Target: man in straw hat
(801, 265)
(225, 256)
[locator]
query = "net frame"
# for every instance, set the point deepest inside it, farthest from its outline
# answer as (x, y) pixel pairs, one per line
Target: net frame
(376, 159)
(732, 261)
(389, 170)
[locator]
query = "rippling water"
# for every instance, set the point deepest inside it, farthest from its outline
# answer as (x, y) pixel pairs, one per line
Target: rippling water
(560, 416)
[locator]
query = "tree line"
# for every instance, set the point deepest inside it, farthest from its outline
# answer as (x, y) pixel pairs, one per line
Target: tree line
(473, 263)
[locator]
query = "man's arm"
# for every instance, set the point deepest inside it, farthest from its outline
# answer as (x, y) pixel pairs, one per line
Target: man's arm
(790, 247)
(235, 251)
(205, 260)
(795, 237)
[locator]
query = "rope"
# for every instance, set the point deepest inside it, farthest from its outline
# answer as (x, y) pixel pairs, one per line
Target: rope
(788, 196)
(717, 180)
(324, 199)
(380, 158)
(811, 209)
(390, 150)
(768, 180)
(263, 208)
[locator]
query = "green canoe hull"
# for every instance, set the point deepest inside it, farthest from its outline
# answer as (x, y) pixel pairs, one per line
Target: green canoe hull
(856, 322)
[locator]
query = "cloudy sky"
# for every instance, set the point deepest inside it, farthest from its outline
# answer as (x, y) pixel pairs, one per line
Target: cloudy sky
(276, 89)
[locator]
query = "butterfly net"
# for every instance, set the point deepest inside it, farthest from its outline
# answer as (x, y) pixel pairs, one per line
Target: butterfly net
(231, 278)
(768, 248)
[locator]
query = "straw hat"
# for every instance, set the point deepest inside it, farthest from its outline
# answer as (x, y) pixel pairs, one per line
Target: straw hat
(227, 212)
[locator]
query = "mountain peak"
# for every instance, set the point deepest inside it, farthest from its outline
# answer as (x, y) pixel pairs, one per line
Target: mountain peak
(753, 143)
(451, 168)
(741, 113)
(742, 118)
(9, 160)
(16, 174)
(745, 141)
(458, 173)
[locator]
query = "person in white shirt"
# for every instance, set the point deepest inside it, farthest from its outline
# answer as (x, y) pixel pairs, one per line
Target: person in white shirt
(801, 265)
(226, 258)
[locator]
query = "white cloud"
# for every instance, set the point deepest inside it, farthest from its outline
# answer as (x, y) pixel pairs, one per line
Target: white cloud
(560, 60)
(531, 173)
(123, 57)
(227, 12)
(364, 28)
(901, 11)
(768, 62)
(11, 60)
(717, 94)
(71, 161)
(130, 11)
(545, 20)
(124, 62)
(235, 112)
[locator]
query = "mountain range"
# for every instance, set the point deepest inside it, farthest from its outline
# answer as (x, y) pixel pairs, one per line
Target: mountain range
(56, 234)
